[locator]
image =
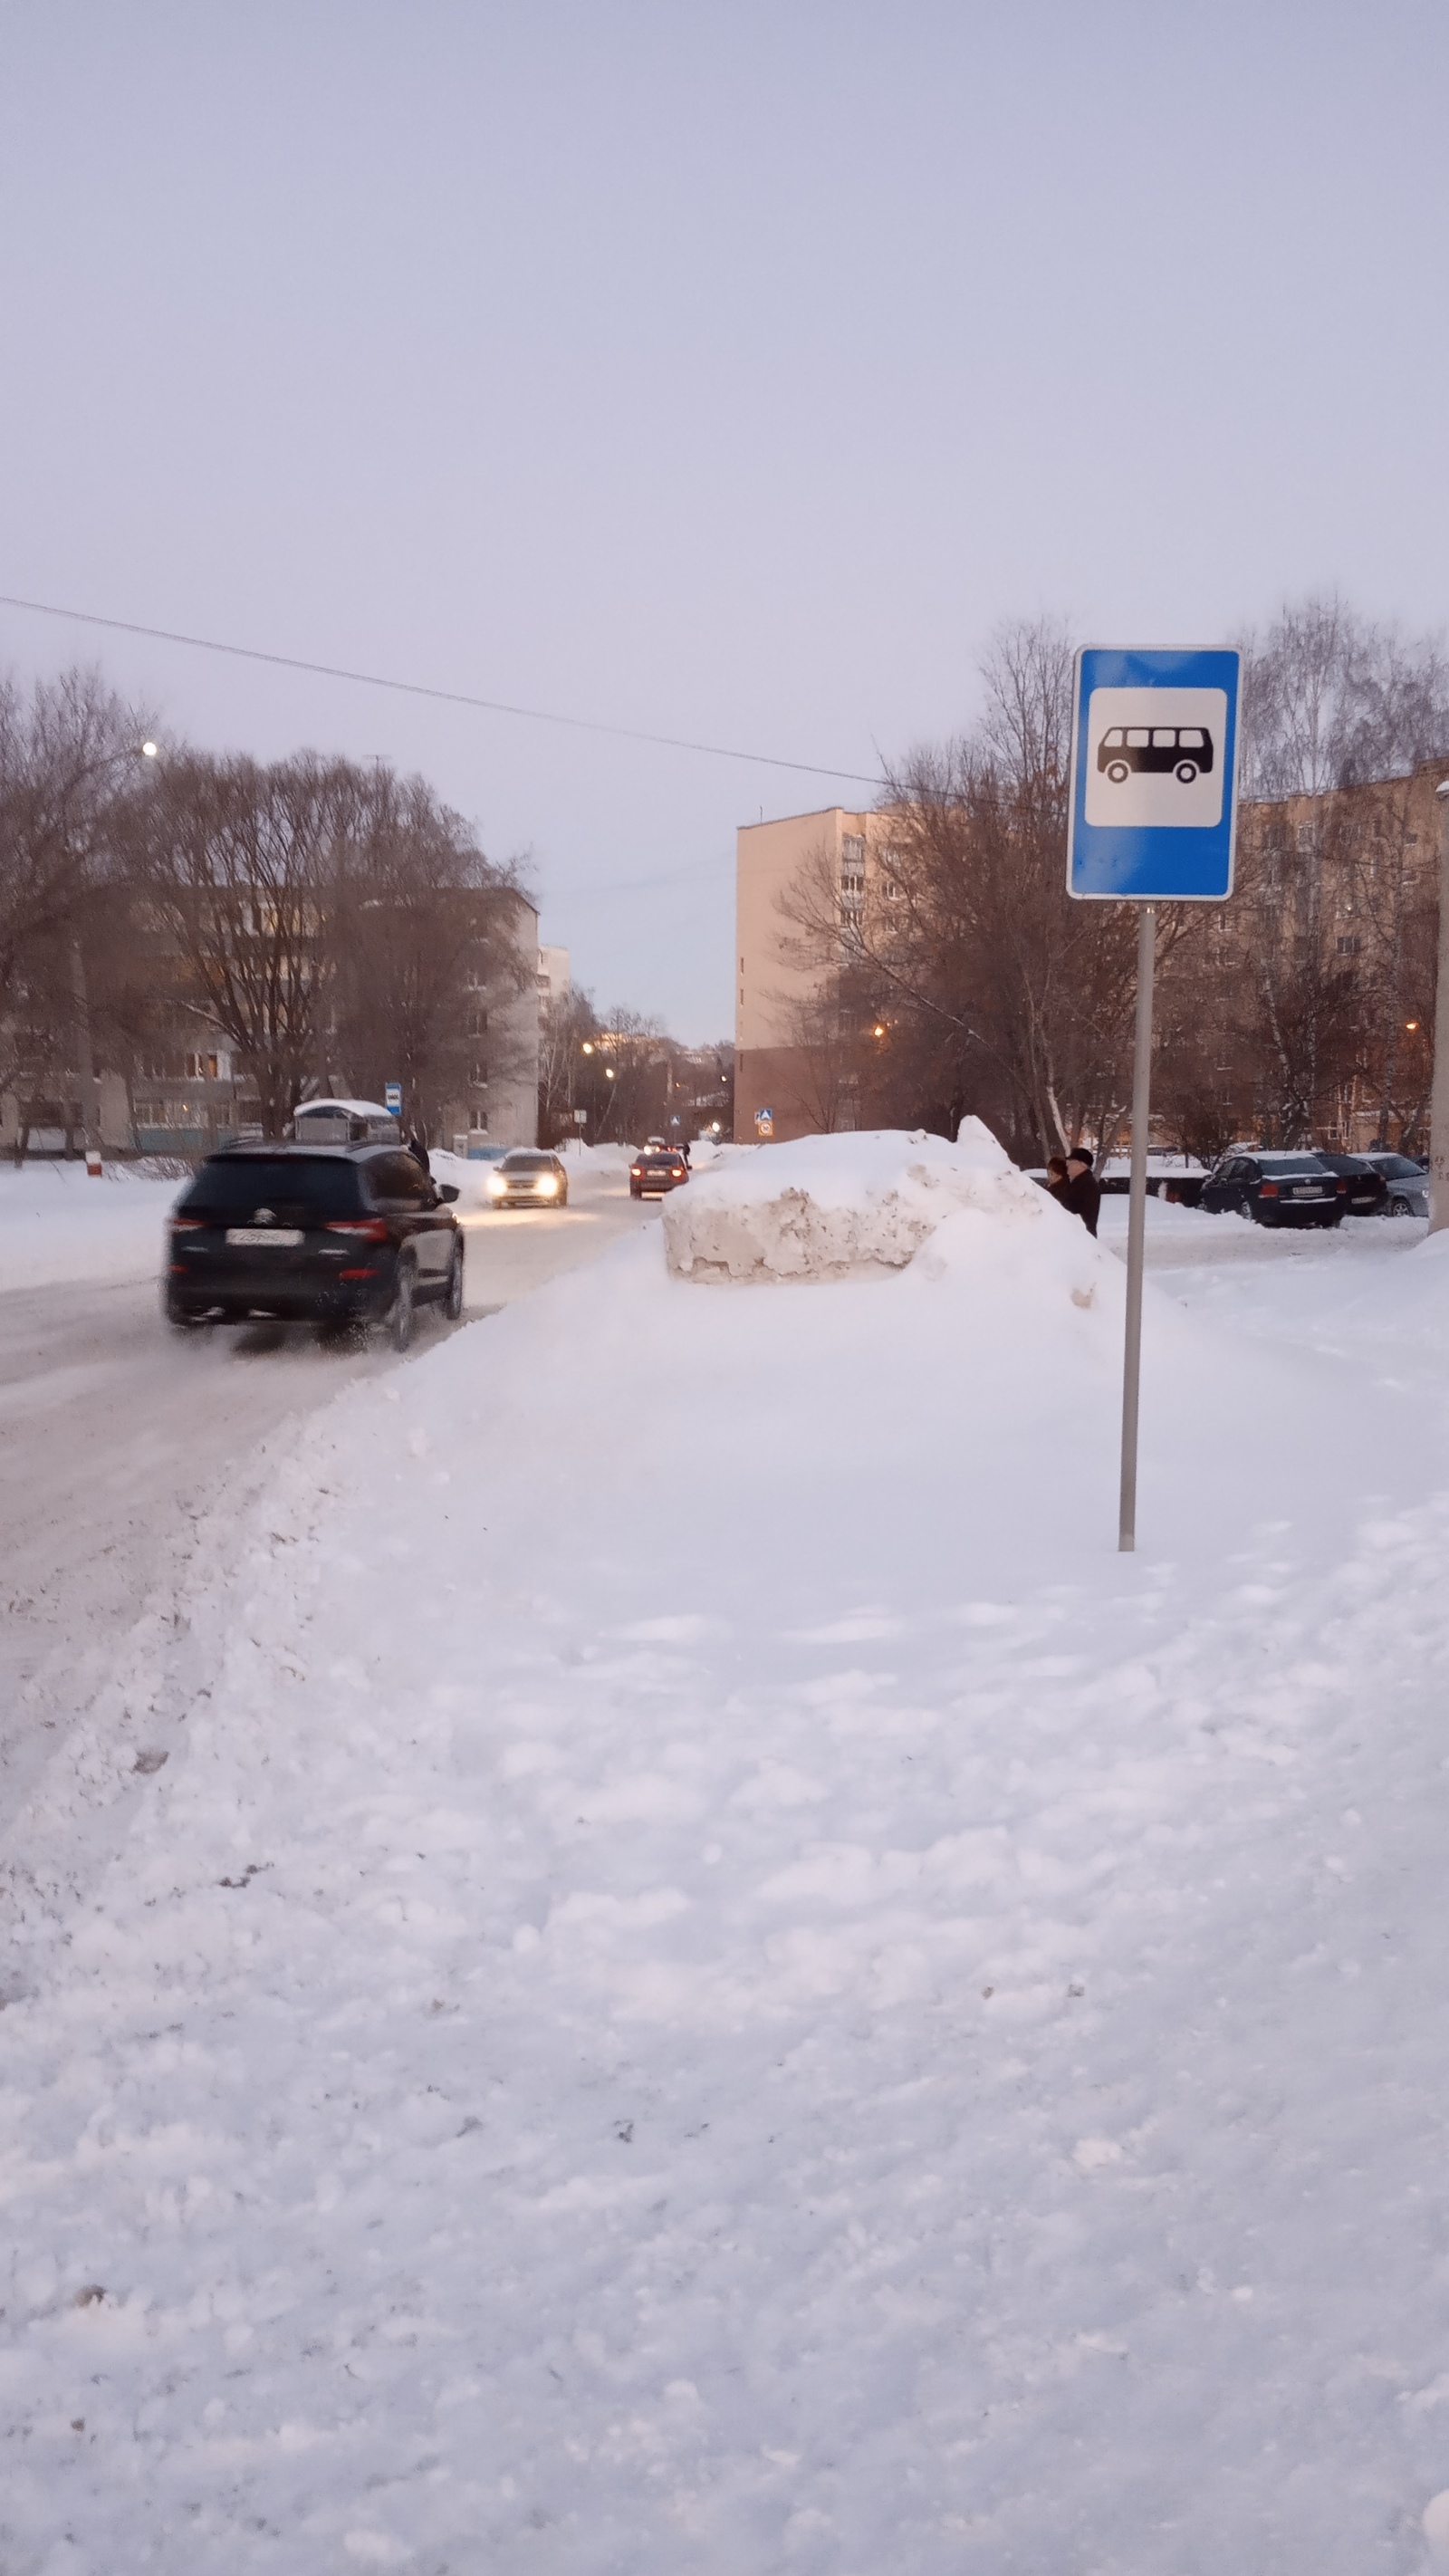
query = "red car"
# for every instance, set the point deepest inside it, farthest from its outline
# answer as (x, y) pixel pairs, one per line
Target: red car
(651, 1174)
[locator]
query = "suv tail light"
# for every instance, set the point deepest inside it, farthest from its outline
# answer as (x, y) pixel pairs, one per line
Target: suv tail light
(366, 1229)
(188, 1224)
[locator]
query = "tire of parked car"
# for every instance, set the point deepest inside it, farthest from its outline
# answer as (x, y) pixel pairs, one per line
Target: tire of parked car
(402, 1311)
(453, 1300)
(1400, 1207)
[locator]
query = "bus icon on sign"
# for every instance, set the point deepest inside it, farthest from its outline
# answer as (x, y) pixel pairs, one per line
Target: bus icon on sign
(1184, 750)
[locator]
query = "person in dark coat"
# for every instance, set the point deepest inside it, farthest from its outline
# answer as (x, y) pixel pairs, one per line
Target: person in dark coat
(1057, 1178)
(1081, 1194)
(419, 1152)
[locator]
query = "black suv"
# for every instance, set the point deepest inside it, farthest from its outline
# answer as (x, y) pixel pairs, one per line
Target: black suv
(332, 1235)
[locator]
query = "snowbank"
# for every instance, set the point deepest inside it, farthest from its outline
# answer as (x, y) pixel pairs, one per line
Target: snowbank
(829, 1205)
(595, 1158)
(57, 1224)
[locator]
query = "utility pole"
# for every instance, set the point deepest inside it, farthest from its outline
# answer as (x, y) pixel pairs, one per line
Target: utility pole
(90, 1108)
(1439, 1094)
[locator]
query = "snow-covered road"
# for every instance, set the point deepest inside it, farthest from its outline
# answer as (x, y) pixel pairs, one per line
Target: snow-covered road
(117, 1438)
(708, 1980)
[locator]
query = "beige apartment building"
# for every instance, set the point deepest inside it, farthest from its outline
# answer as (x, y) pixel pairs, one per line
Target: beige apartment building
(782, 1086)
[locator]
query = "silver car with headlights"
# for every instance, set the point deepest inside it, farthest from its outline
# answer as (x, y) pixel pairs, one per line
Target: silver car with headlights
(527, 1177)
(1406, 1184)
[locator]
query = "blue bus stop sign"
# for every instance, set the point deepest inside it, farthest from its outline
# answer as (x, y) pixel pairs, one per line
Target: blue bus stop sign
(1154, 790)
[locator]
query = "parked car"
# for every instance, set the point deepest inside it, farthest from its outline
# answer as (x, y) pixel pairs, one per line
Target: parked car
(652, 1173)
(528, 1177)
(331, 1235)
(1275, 1188)
(1367, 1187)
(1406, 1184)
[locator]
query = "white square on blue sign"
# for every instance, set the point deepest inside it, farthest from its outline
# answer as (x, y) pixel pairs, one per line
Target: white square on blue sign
(1154, 786)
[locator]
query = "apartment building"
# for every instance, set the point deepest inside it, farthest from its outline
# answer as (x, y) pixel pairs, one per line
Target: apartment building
(778, 1053)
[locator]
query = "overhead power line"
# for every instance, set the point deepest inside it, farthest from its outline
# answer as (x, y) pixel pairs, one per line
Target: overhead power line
(446, 697)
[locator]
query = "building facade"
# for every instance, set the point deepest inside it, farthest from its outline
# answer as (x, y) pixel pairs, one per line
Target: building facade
(790, 1079)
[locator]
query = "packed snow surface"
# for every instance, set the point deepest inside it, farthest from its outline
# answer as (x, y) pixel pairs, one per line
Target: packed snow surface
(56, 1223)
(831, 1204)
(714, 1982)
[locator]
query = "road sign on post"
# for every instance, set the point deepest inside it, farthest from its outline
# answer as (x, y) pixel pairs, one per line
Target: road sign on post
(392, 1098)
(1153, 819)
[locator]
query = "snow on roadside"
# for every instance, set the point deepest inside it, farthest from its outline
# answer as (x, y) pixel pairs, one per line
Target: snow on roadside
(830, 1204)
(58, 1224)
(719, 1984)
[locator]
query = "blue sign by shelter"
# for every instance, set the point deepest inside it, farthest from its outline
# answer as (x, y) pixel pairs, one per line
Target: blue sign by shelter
(1154, 801)
(392, 1098)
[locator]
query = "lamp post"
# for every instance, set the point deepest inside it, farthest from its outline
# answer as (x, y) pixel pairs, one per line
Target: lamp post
(1439, 1093)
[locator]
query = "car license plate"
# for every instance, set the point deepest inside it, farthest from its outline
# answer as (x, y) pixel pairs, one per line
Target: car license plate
(1302, 1193)
(285, 1237)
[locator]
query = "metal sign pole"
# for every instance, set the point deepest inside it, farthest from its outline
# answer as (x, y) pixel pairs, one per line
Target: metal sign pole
(1439, 1097)
(1137, 1225)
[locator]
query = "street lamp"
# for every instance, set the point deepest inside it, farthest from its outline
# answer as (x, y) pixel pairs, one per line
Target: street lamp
(150, 751)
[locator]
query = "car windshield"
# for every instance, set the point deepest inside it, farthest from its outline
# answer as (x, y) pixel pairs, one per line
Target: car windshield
(1399, 1167)
(237, 1186)
(527, 1163)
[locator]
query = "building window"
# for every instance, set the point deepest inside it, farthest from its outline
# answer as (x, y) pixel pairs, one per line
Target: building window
(478, 1024)
(479, 1074)
(1349, 947)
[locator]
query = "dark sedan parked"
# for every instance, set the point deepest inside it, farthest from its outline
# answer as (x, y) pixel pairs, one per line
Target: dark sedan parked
(1367, 1189)
(1276, 1189)
(337, 1236)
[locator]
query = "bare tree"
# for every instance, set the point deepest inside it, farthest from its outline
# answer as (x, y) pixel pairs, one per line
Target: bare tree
(998, 991)
(1331, 699)
(569, 1020)
(69, 753)
(244, 867)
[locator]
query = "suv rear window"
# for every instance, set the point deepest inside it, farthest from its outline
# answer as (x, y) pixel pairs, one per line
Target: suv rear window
(291, 1185)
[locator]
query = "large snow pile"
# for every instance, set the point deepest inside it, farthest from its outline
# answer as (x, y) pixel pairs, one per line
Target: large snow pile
(832, 1204)
(714, 1982)
(58, 1224)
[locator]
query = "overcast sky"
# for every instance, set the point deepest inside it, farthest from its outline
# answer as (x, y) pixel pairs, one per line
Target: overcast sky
(725, 371)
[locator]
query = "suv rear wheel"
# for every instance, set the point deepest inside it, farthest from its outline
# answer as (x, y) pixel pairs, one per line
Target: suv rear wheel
(453, 1298)
(402, 1312)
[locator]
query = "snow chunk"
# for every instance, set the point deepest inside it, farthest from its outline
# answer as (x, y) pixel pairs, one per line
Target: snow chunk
(828, 1205)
